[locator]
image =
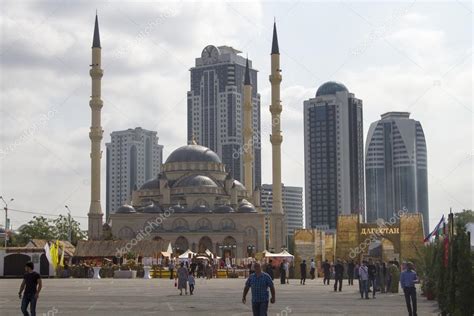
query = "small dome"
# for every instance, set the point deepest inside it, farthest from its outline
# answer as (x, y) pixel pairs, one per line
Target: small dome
(178, 209)
(201, 209)
(152, 208)
(246, 207)
(153, 184)
(125, 209)
(224, 209)
(196, 180)
(193, 153)
(239, 186)
(330, 87)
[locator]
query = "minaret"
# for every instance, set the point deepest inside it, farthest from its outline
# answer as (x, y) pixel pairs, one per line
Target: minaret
(95, 210)
(277, 229)
(248, 133)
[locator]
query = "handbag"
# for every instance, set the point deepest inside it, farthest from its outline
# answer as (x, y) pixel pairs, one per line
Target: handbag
(175, 283)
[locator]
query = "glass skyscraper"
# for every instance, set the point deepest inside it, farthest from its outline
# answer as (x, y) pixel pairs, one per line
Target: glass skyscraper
(396, 168)
(334, 153)
(215, 108)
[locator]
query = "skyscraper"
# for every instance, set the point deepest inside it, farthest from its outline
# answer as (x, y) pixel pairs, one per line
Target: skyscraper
(292, 205)
(216, 108)
(133, 157)
(334, 167)
(396, 168)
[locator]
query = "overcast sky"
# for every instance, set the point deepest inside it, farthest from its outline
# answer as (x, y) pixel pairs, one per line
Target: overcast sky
(408, 56)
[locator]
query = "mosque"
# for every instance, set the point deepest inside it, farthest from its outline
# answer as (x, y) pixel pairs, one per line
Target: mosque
(194, 202)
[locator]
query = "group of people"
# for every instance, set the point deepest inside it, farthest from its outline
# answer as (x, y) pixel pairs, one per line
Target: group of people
(185, 276)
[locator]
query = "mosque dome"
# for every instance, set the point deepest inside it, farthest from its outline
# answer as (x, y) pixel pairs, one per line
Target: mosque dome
(196, 180)
(239, 186)
(151, 185)
(152, 208)
(201, 209)
(224, 209)
(246, 207)
(193, 153)
(178, 209)
(331, 87)
(124, 209)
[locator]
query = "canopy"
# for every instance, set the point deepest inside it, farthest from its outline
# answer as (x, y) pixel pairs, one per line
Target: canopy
(185, 255)
(284, 254)
(168, 251)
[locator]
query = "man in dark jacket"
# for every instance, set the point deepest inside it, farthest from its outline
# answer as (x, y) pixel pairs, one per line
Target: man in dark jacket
(326, 271)
(338, 275)
(303, 272)
(350, 272)
(372, 276)
(269, 269)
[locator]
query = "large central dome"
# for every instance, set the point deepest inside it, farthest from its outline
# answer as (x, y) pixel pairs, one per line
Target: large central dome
(193, 153)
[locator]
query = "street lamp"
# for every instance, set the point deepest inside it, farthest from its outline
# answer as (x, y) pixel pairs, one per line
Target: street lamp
(6, 218)
(68, 222)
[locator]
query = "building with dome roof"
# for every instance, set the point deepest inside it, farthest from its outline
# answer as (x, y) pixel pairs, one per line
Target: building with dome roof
(199, 204)
(334, 153)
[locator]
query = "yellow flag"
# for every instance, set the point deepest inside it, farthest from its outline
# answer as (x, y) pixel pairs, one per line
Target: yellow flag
(54, 255)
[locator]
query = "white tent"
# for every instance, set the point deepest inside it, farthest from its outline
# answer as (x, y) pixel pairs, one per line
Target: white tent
(185, 255)
(168, 251)
(284, 254)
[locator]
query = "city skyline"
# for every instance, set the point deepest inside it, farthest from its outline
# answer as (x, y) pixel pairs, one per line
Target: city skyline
(58, 141)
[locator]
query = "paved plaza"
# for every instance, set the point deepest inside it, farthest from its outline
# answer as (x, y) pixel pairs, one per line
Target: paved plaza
(212, 297)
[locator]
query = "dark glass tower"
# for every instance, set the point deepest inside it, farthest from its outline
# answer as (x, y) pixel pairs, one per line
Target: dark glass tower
(215, 108)
(334, 168)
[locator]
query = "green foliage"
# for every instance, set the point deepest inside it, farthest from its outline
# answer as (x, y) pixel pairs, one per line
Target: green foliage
(453, 286)
(42, 228)
(464, 217)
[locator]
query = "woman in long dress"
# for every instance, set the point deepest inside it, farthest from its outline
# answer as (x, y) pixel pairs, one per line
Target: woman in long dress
(394, 278)
(182, 274)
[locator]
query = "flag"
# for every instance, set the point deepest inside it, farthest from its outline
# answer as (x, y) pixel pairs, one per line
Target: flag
(47, 252)
(436, 230)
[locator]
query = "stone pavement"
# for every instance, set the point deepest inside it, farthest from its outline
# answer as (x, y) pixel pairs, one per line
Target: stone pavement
(212, 297)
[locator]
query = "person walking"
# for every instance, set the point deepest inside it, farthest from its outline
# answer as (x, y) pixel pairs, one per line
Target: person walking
(171, 269)
(326, 271)
(269, 269)
(312, 269)
(338, 275)
(364, 280)
(191, 283)
(356, 275)
(287, 272)
(32, 285)
(182, 275)
(383, 277)
(350, 272)
(408, 278)
(282, 273)
(303, 272)
(372, 276)
(259, 282)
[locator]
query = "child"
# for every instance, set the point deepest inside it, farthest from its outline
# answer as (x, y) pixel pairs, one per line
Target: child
(191, 283)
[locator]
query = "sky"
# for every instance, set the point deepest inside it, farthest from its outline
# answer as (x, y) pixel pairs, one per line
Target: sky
(413, 56)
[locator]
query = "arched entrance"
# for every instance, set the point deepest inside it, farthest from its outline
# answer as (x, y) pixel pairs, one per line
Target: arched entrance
(14, 264)
(229, 247)
(204, 243)
(181, 245)
(44, 265)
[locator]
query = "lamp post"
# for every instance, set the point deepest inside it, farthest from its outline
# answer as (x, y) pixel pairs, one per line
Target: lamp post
(68, 222)
(6, 218)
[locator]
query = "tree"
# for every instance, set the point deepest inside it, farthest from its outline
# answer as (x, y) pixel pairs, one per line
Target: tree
(464, 217)
(61, 228)
(43, 228)
(39, 227)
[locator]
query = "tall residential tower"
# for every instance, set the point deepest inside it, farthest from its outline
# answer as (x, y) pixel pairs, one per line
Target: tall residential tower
(216, 108)
(396, 168)
(133, 156)
(334, 153)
